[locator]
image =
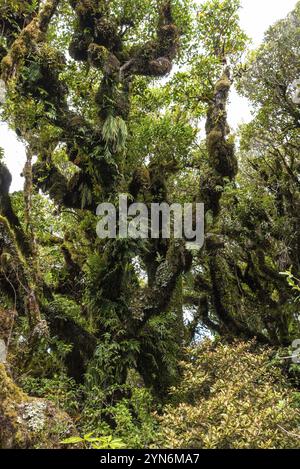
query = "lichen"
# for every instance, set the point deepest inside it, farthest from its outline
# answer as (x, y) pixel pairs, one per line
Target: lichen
(34, 414)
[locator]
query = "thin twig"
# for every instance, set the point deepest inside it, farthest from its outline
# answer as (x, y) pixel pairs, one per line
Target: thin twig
(288, 433)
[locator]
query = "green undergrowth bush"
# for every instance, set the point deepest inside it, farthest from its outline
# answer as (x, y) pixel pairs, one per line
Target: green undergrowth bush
(124, 411)
(59, 389)
(131, 419)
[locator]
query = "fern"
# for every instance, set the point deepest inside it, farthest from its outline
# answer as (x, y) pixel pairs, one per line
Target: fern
(115, 134)
(86, 196)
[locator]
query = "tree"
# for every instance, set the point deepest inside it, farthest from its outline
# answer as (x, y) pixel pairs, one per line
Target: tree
(92, 91)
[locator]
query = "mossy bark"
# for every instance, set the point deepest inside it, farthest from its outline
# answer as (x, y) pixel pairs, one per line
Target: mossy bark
(26, 422)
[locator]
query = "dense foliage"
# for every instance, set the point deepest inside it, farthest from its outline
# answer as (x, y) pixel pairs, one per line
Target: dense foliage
(231, 396)
(129, 97)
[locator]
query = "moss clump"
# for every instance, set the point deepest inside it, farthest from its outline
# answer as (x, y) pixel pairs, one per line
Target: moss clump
(140, 182)
(106, 33)
(100, 57)
(79, 45)
(223, 84)
(168, 41)
(213, 139)
(27, 422)
(6, 65)
(86, 11)
(212, 186)
(160, 67)
(223, 159)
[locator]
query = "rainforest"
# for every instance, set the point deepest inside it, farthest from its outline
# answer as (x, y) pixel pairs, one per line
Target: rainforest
(142, 342)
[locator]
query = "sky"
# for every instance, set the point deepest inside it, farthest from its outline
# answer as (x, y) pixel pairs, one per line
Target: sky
(256, 16)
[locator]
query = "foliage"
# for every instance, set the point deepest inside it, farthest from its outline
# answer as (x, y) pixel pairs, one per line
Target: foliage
(293, 282)
(91, 442)
(219, 28)
(47, 360)
(130, 418)
(230, 397)
(115, 133)
(60, 389)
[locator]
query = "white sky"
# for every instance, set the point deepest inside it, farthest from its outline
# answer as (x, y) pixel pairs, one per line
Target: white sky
(256, 17)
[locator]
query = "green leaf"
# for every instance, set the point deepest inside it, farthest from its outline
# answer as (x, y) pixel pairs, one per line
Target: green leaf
(72, 440)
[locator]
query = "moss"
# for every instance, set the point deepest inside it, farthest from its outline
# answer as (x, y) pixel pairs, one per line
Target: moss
(85, 10)
(19, 49)
(46, 14)
(140, 182)
(10, 397)
(221, 150)
(168, 41)
(6, 66)
(6, 321)
(160, 67)
(98, 55)
(26, 422)
(39, 77)
(211, 184)
(79, 45)
(8, 390)
(213, 138)
(155, 57)
(222, 157)
(106, 32)
(31, 35)
(223, 84)
(17, 248)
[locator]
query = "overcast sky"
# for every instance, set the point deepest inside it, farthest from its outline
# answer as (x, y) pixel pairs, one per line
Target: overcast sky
(256, 17)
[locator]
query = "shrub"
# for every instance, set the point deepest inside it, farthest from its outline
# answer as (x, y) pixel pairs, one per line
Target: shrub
(230, 397)
(130, 419)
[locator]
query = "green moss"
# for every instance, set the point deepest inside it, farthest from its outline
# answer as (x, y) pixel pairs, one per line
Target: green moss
(214, 137)
(223, 84)
(8, 390)
(27, 422)
(98, 55)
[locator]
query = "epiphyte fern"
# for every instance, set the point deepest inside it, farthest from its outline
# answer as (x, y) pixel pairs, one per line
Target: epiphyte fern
(115, 133)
